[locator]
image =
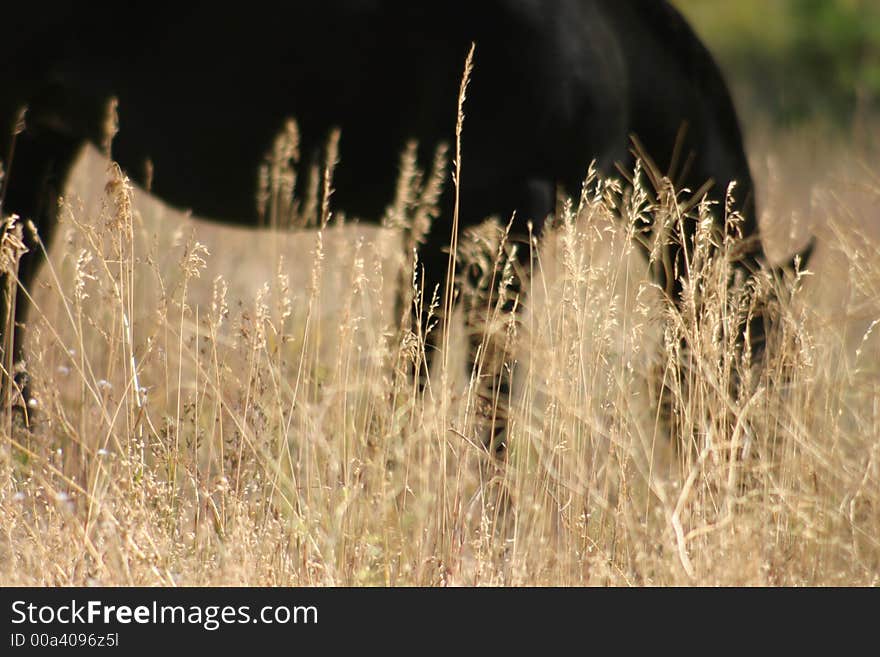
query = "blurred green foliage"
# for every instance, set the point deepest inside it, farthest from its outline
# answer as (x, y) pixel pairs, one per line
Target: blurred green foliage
(796, 60)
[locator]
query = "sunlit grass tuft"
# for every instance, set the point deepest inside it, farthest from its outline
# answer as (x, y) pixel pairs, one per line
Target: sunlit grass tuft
(205, 420)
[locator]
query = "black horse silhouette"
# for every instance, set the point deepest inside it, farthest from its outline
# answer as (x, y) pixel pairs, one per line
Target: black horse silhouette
(204, 87)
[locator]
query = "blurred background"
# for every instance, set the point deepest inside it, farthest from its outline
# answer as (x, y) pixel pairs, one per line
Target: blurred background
(791, 62)
(805, 76)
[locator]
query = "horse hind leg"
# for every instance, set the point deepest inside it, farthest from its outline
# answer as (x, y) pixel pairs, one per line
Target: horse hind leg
(35, 176)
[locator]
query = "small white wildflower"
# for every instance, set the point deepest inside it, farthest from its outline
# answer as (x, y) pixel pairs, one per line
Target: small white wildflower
(103, 452)
(104, 384)
(19, 497)
(61, 496)
(63, 370)
(33, 403)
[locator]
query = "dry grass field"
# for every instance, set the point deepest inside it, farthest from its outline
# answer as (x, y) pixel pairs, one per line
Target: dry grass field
(220, 406)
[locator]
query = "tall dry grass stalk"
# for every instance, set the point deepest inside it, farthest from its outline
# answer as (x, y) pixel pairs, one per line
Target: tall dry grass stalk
(199, 424)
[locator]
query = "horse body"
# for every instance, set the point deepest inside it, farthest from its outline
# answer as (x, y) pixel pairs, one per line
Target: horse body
(203, 90)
